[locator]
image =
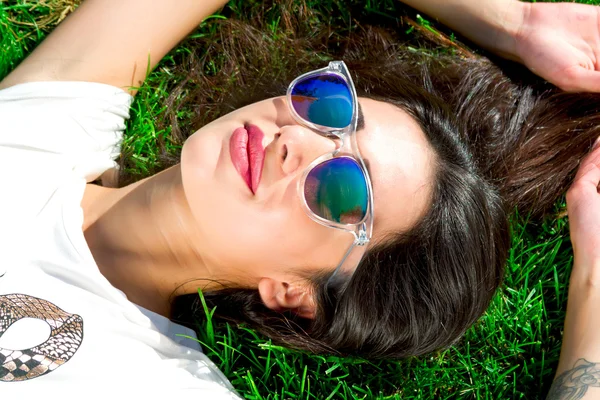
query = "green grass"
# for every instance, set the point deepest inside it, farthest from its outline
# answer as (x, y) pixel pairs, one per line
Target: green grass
(510, 353)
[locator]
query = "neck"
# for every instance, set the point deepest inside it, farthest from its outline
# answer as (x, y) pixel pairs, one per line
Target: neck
(144, 242)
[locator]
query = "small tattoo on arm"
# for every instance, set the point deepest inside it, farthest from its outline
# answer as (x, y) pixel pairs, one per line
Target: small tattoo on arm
(574, 383)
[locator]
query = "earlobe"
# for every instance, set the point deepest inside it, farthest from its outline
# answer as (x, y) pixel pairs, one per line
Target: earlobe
(282, 296)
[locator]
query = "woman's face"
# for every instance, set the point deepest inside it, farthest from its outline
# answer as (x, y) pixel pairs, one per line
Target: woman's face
(263, 232)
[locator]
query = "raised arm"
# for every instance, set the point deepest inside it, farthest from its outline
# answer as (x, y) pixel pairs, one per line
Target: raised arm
(112, 41)
(578, 374)
(558, 41)
(491, 24)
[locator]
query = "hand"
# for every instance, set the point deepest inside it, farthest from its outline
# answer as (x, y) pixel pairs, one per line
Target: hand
(583, 207)
(561, 43)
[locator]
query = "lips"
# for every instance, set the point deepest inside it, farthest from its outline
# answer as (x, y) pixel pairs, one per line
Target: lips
(247, 154)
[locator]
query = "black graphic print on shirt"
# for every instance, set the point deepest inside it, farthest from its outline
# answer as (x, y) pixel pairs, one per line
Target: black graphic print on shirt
(66, 335)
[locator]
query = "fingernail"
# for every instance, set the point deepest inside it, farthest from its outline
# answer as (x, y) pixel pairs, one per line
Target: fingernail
(596, 144)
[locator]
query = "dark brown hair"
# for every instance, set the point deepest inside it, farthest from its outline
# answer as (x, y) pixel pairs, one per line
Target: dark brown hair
(501, 144)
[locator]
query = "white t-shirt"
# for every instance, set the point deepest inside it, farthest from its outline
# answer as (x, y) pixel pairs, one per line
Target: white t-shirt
(65, 331)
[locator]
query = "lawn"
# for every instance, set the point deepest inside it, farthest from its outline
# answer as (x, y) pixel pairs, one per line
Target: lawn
(511, 353)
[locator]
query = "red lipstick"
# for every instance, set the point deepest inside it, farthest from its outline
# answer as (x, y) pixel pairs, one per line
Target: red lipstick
(247, 154)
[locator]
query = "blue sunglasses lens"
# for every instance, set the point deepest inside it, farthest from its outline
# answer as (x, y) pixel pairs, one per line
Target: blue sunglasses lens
(336, 190)
(324, 100)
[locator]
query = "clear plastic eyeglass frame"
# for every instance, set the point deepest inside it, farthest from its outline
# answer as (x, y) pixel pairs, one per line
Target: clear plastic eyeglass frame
(362, 230)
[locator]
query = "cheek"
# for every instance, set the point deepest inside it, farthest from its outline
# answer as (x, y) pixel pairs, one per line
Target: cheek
(262, 240)
(246, 237)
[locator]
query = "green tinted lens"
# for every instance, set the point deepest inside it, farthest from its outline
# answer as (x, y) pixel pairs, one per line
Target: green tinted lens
(337, 190)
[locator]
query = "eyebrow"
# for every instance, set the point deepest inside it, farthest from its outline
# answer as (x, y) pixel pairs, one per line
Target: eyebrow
(360, 121)
(368, 166)
(360, 124)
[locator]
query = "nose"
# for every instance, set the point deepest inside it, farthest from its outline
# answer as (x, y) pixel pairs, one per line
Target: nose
(299, 146)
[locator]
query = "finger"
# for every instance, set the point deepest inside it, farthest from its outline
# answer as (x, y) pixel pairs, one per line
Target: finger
(584, 188)
(579, 79)
(589, 170)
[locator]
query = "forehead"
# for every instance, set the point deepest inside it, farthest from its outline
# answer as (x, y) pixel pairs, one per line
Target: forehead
(401, 164)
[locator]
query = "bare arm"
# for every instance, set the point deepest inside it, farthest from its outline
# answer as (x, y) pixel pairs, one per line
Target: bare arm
(493, 24)
(578, 373)
(112, 41)
(558, 41)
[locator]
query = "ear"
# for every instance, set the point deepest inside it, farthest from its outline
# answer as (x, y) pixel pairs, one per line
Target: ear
(282, 296)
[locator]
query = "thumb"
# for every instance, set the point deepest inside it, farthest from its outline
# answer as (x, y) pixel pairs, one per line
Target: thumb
(589, 170)
(579, 79)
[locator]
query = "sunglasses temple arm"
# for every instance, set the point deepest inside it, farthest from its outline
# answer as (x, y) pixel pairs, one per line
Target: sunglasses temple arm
(341, 263)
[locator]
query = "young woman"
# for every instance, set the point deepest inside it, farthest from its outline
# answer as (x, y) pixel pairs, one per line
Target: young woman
(397, 255)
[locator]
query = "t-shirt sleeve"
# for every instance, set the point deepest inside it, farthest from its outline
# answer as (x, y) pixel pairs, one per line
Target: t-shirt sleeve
(54, 127)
